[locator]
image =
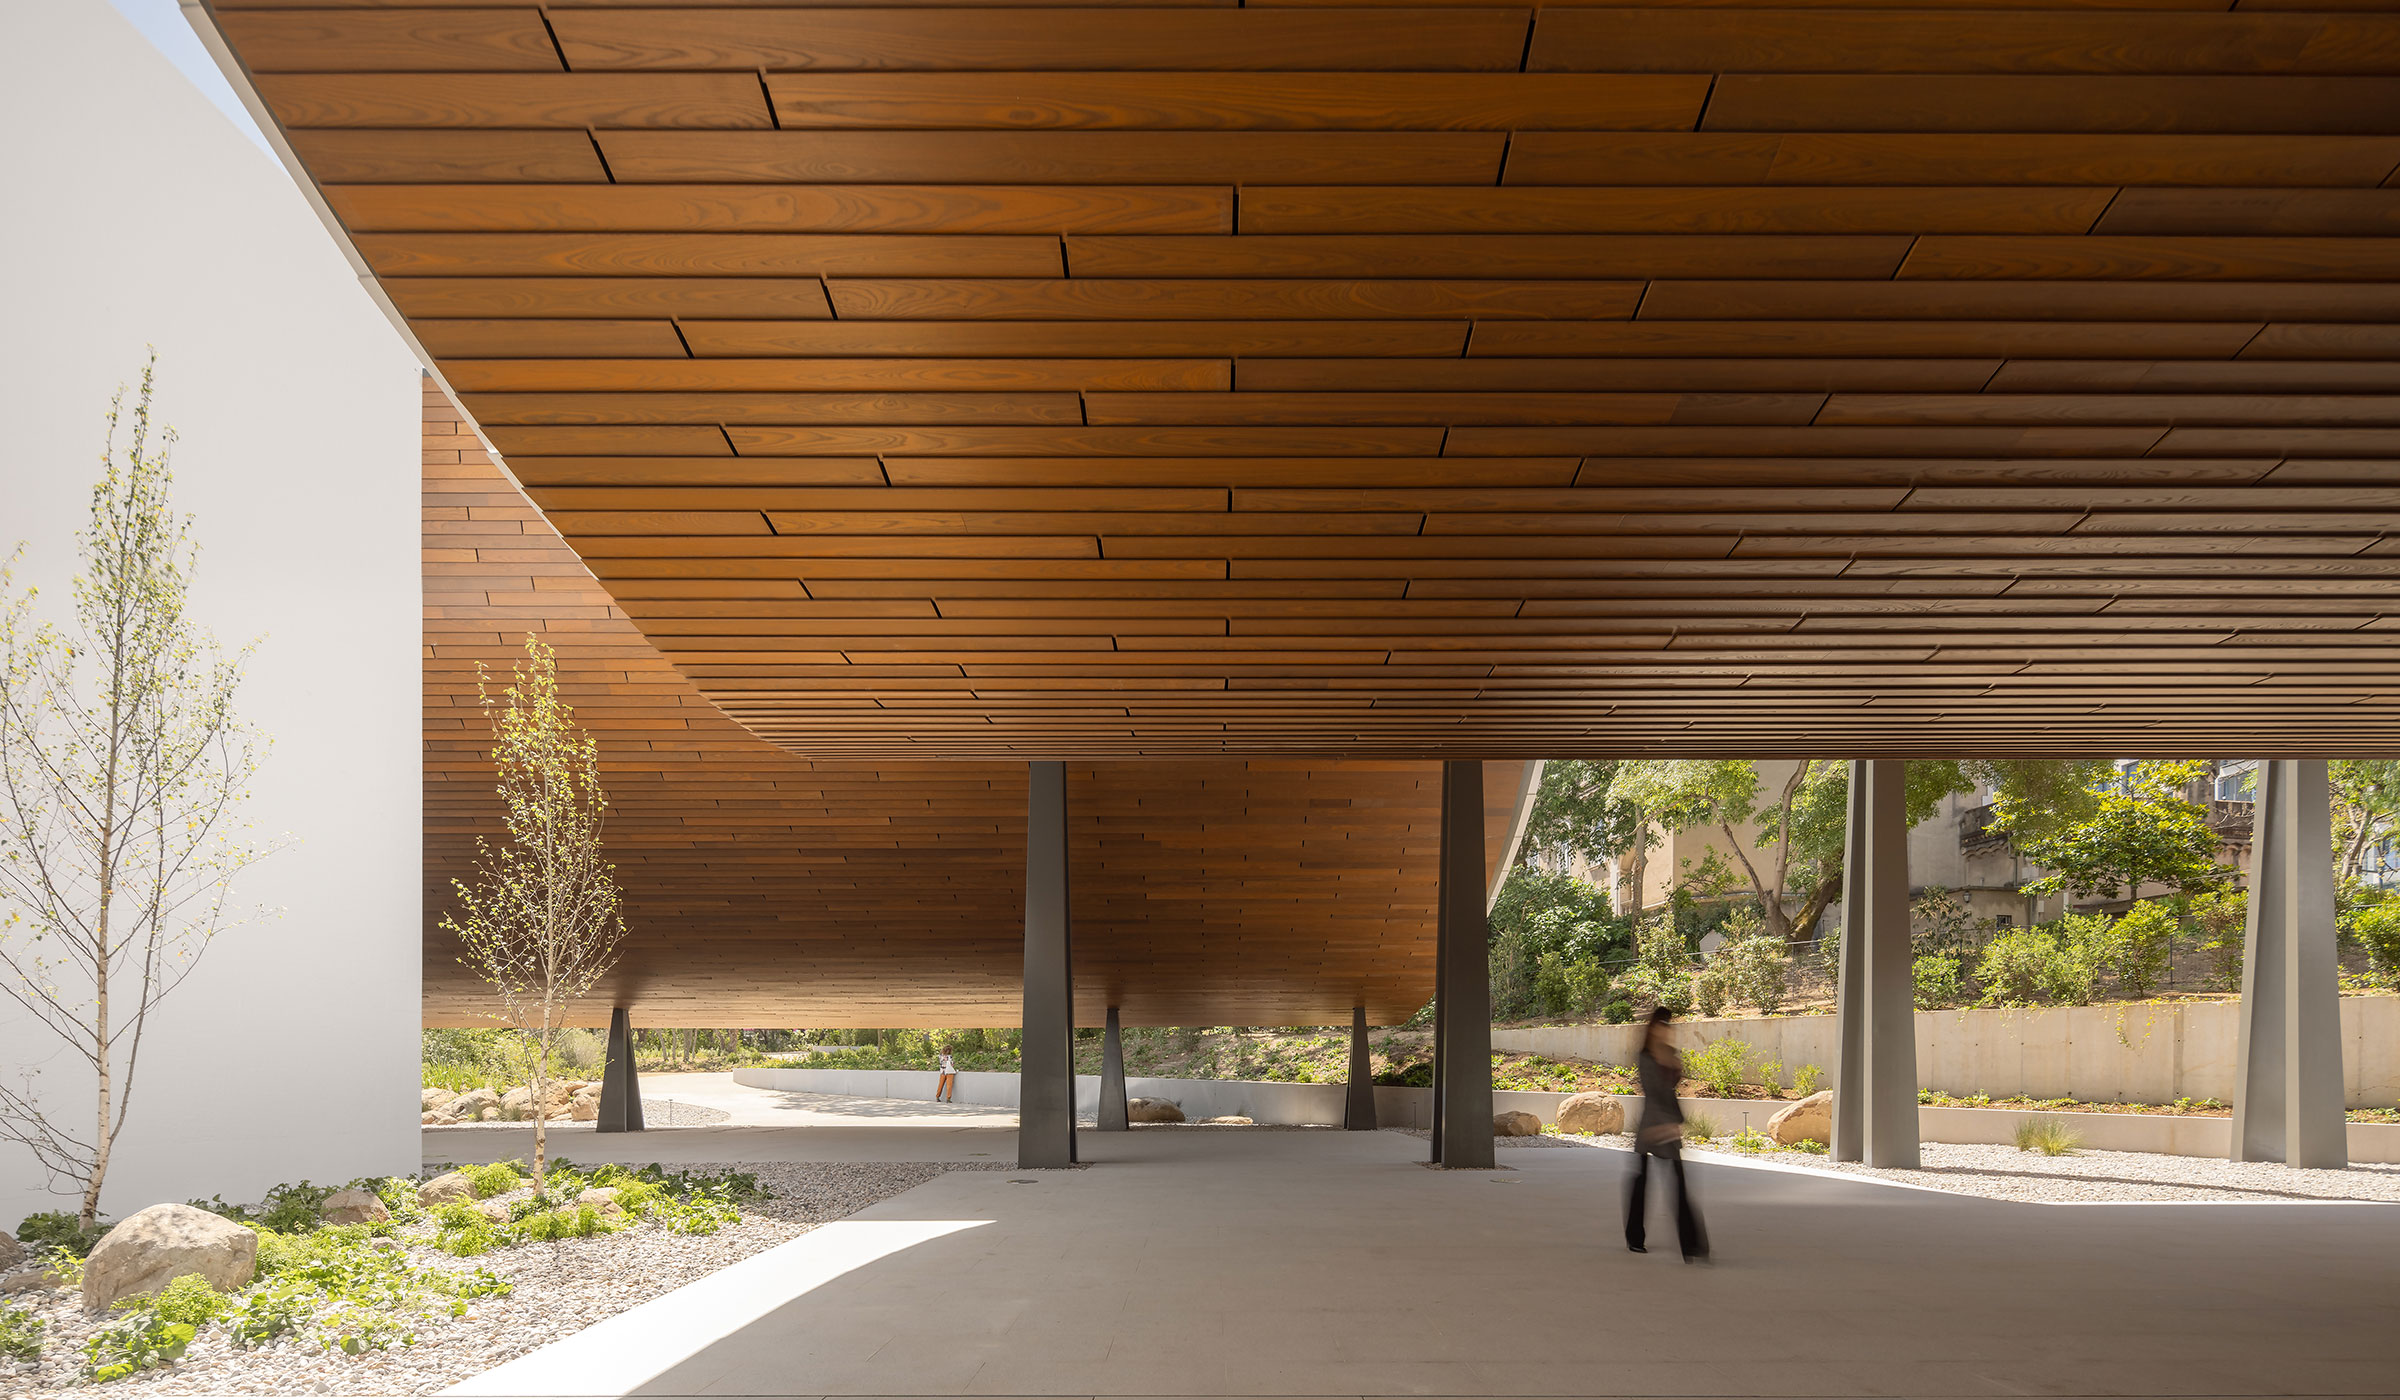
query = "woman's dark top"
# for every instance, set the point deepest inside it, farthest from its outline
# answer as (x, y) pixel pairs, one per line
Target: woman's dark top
(1658, 1090)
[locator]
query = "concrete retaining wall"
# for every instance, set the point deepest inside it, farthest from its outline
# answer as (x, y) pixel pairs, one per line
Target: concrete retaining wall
(1397, 1107)
(2145, 1052)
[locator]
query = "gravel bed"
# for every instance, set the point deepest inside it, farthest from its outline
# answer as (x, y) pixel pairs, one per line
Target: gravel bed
(560, 1288)
(2003, 1173)
(1426, 1135)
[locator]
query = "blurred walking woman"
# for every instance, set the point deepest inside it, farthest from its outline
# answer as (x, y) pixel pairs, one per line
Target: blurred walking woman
(1660, 1139)
(945, 1090)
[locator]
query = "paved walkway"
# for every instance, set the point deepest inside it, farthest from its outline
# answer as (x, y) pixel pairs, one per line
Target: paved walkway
(766, 1125)
(1260, 1263)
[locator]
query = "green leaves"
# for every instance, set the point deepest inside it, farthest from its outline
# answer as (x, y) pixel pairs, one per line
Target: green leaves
(2144, 832)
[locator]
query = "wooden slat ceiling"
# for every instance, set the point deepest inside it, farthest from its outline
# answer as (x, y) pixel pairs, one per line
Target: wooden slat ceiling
(1192, 379)
(767, 889)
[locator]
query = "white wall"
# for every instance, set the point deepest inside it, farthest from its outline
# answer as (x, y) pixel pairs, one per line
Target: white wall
(138, 214)
(2141, 1052)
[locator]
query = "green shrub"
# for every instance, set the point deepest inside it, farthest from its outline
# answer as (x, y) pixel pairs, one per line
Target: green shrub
(1938, 978)
(340, 1288)
(188, 1298)
(288, 1209)
(1808, 1145)
(1750, 967)
(1751, 1140)
(56, 1229)
(20, 1334)
(2038, 965)
(1699, 1127)
(2132, 949)
(2374, 924)
(1805, 1081)
(1617, 1012)
(143, 1342)
(1719, 1065)
(2048, 1136)
(493, 1179)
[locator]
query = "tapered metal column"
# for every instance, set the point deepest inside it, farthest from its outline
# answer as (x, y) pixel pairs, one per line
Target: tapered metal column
(1358, 1110)
(620, 1087)
(1112, 1078)
(1875, 1096)
(1463, 1012)
(1046, 1059)
(2287, 1089)
(1850, 1001)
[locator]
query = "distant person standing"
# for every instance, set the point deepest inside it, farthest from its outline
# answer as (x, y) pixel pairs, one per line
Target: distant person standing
(1661, 1138)
(946, 1091)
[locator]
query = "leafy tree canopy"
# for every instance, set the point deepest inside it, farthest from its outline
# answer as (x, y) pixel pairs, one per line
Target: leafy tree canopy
(2141, 831)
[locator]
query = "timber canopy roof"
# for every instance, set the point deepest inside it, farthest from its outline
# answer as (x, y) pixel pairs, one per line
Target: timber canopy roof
(1464, 380)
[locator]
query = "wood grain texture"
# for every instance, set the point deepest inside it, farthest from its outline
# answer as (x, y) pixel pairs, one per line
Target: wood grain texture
(1303, 381)
(765, 888)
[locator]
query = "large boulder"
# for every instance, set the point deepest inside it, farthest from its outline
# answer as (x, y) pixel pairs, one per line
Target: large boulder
(1152, 1111)
(602, 1199)
(469, 1106)
(443, 1189)
(517, 1103)
(1810, 1120)
(354, 1206)
(585, 1106)
(1591, 1113)
(1515, 1123)
(152, 1248)
(434, 1100)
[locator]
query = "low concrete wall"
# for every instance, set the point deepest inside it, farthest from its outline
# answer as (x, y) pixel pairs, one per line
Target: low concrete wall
(1399, 1107)
(2145, 1052)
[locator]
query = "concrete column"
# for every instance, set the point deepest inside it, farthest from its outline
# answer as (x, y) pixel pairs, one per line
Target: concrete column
(1463, 1009)
(1875, 1086)
(1046, 1084)
(620, 1087)
(2287, 1090)
(1112, 1078)
(1358, 1110)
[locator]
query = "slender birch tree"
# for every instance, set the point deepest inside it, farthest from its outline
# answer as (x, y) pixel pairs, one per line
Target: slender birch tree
(122, 771)
(541, 920)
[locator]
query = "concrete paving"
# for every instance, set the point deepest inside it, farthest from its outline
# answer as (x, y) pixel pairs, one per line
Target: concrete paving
(1300, 1263)
(765, 1125)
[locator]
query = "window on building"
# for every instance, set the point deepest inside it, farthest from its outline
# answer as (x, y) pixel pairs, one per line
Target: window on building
(2004, 920)
(2237, 780)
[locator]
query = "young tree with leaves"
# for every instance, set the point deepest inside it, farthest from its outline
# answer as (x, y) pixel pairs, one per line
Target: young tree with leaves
(123, 768)
(2140, 831)
(2366, 809)
(541, 921)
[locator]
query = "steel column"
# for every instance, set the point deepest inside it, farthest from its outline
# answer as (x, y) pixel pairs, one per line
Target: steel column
(1875, 1096)
(1463, 1012)
(1358, 1110)
(1112, 1114)
(2287, 1092)
(1046, 1058)
(620, 1086)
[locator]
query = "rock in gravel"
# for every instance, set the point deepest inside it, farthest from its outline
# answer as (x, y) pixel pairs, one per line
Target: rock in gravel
(602, 1197)
(585, 1106)
(435, 1099)
(1514, 1123)
(1591, 1113)
(1230, 1120)
(494, 1211)
(443, 1189)
(353, 1206)
(1810, 1120)
(151, 1248)
(11, 1253)
(1152, 1111)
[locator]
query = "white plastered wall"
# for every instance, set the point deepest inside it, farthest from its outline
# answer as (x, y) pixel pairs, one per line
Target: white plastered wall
(139, 215)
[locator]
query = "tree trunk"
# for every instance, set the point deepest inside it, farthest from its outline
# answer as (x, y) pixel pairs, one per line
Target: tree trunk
(691, 1045)
(1640, 871)
(541, 1102)
(1829, 889)
(1770, 902)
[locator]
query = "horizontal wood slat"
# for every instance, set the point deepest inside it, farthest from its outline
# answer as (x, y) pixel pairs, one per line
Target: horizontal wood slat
(1394, 381)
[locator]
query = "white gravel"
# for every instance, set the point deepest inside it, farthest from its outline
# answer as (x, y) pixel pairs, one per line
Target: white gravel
(560, 1288)
(2003, 1173)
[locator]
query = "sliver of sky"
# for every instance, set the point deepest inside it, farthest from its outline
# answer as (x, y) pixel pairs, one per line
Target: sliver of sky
(163, 24)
